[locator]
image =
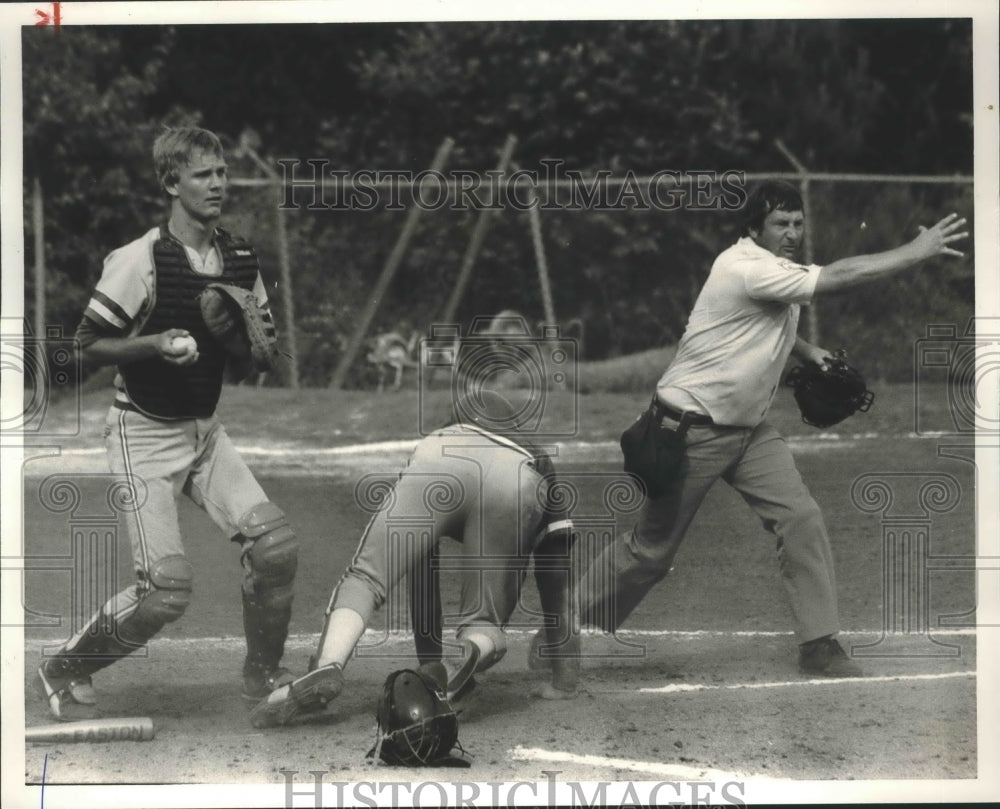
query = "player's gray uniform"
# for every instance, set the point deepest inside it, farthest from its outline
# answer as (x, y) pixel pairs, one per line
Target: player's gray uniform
(164, 439)
(494, 495)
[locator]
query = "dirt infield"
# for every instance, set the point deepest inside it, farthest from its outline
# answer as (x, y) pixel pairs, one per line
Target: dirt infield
(737, 709)
(701, 685)
(717, 624)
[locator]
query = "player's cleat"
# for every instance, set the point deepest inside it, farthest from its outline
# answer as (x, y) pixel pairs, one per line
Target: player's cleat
(827, 658)
(460, 671)
(258, 683)
(309, 694)
(535, 660)
(70, 697)
(437, 672)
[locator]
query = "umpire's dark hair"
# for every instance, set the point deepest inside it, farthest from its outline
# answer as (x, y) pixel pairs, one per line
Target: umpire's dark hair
(770, 195)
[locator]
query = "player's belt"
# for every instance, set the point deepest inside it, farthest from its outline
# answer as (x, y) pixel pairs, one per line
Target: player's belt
(682, 415)
(131, 408)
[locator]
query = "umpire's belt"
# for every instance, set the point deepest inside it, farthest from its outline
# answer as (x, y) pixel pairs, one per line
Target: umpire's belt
(682, 416)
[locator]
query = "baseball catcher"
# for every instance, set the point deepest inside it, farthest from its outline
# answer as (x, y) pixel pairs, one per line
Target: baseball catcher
(829, 393)
(152, 316)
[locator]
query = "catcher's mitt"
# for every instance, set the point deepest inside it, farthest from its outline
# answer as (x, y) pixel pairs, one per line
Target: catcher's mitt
(239, 324)
(827, 397)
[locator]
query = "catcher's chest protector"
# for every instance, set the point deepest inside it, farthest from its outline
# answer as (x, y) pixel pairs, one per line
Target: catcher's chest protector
(168, 391)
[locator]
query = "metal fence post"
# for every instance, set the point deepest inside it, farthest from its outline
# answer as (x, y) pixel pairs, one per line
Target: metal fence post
(388, 271)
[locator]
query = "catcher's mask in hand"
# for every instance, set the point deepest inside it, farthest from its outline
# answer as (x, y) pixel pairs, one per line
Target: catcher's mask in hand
(417, 727)
(828, 394)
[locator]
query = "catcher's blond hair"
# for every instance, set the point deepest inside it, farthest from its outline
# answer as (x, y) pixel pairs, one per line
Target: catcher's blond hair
(175, 146)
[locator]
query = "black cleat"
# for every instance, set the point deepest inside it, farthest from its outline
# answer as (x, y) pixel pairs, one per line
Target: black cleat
(827, 658)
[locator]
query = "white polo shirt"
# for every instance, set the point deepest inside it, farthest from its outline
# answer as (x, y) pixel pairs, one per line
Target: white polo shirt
(739, 335)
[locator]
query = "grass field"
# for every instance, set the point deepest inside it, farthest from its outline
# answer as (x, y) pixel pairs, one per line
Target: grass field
(317, 417)
(701, 682)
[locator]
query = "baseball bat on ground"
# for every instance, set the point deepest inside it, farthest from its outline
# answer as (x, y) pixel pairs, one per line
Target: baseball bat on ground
(118, 729)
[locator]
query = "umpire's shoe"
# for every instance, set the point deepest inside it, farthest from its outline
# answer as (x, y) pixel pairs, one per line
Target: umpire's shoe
(309, 694)
(827, 658)
(70, 696)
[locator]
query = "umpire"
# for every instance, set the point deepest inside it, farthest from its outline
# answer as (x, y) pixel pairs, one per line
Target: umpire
(163, 437)
(721, 384)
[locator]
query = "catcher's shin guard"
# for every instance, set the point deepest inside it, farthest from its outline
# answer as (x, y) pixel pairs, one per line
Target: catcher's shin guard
(164, 595)
(270, 560)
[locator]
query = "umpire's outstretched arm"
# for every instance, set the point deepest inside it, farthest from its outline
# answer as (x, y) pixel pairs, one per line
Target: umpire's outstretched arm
(933, 241)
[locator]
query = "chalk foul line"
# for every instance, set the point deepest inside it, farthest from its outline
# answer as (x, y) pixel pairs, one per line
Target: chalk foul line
(673, 772)
(407, 637)
(407, 444)
(888, 678)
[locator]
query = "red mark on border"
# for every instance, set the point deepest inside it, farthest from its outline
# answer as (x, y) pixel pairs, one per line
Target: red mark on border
(44, 18)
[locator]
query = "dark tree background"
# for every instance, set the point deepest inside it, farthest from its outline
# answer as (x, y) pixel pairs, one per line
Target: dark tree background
(845, 96)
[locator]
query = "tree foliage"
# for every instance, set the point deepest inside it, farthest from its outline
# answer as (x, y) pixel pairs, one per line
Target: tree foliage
(88, 134)
(620, 96)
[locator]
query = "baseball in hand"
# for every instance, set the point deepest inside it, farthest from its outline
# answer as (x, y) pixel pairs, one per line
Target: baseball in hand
(184, 345)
